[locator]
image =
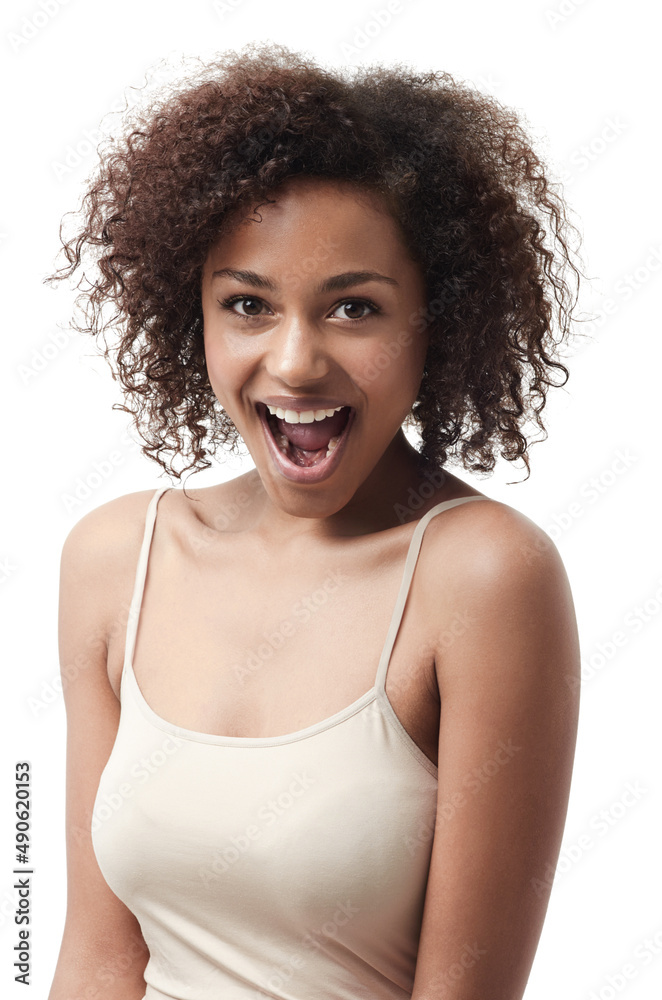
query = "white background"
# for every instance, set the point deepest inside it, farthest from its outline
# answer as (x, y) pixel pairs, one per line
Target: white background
(586, 77)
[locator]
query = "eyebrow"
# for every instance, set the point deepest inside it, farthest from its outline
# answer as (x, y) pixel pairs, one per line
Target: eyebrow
(336, 283)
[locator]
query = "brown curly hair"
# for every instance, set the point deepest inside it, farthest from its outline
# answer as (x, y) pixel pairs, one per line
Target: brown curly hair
(459, 174)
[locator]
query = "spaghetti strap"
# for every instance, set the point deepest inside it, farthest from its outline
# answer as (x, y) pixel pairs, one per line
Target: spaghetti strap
(407, 574)
(196, 834)
(141, 573)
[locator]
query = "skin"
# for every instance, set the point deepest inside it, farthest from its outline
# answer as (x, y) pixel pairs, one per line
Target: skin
(304, 344)
(487, 655)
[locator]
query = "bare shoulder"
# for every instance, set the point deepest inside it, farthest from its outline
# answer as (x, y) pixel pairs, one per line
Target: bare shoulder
(106, 524)
(99, 556)
(100, 553)
(488, 543)
(496, 582)
(106, 533)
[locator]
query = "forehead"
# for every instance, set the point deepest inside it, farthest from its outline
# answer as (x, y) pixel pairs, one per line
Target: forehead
(319, 218)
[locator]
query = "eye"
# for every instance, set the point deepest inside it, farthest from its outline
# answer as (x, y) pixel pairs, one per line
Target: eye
(353, 305)
(251, 306)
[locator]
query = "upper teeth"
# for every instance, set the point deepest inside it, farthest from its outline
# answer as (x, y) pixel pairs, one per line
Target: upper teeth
(304, 417)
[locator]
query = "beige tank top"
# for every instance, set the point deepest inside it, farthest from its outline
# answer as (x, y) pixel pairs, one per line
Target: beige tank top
(292, 867)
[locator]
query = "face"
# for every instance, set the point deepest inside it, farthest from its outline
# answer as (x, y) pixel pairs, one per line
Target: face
(309, 340)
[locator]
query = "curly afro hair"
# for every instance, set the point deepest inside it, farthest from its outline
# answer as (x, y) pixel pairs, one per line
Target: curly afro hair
(459, 175)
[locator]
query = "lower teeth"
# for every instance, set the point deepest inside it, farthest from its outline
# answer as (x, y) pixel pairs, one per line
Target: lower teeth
(285, 446)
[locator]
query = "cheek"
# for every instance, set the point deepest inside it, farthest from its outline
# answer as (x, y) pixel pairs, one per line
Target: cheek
(392, 366)
(212, 359)
(226, 367)
(220, 374)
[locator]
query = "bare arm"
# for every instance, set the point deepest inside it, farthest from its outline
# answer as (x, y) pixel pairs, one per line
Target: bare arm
(509, 710)
(102, 954)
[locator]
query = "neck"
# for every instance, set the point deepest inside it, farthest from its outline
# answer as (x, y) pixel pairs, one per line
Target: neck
(393, 493)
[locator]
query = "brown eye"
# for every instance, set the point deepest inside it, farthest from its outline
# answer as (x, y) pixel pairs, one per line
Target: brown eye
(353, 309)
(251, 307)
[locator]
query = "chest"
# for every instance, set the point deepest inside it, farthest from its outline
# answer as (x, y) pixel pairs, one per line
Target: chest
(231, 644)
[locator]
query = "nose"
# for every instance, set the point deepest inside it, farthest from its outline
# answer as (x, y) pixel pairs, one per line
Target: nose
(297, 352)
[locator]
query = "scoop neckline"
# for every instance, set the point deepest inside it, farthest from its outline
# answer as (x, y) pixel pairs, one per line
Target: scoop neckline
(246, 741)
(376, 693)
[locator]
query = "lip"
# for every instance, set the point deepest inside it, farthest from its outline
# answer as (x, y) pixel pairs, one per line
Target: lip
(301, 474)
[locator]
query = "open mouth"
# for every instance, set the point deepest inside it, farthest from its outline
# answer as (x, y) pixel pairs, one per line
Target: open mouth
(310, 444)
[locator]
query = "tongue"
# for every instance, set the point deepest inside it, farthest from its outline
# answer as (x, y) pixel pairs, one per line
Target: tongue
(312, 437)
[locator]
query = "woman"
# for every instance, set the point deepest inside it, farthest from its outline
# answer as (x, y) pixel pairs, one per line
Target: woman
(296, 767)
